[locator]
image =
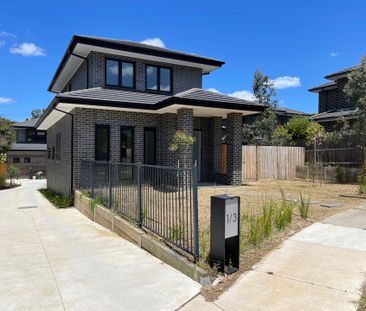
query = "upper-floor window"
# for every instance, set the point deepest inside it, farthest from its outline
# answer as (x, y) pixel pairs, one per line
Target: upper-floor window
(31, 135)
(120, 73)
(158, 78)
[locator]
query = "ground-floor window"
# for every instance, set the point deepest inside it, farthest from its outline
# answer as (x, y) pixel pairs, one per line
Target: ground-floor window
(27, 160)
(150, 145)
(102, 142)
(127, 144)
(16, 160)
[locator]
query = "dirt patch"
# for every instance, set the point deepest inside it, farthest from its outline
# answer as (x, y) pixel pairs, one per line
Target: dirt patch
(252, 197)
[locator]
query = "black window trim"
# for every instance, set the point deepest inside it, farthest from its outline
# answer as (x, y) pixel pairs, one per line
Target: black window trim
(158, 77)
(132, 129)
(102, 126)
(119, 86)
(153, 129)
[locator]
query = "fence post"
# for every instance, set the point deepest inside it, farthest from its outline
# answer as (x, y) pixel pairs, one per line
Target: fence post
(92, 168)
(195, 213)
(139, 194)
(110, 184)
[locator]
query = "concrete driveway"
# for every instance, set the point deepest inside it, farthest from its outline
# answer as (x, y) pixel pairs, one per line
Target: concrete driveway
(57, 259)
(322, 267)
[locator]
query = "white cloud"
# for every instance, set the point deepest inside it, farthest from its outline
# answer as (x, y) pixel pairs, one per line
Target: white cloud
(2, 42)
(213, 90)
(154, 41)
(27, 49)
(7, 34)
(244, 94)
(333, 54)
(286, 82)
(6, 100)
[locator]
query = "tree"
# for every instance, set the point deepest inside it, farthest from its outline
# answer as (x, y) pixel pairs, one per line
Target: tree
(355, 90)
(281, 137)
(265, 124)
(297, 127)
(182, 140)
(7, 136)
(36, 113)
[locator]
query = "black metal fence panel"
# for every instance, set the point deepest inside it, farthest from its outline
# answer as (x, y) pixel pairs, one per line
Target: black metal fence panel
(160, 199)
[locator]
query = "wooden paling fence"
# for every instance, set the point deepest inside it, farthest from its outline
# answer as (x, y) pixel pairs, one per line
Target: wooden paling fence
(271, 162)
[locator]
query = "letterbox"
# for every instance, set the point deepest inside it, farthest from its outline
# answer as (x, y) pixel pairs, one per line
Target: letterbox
(225, 221)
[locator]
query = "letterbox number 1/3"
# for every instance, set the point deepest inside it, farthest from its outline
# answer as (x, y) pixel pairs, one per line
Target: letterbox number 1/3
(231, 217)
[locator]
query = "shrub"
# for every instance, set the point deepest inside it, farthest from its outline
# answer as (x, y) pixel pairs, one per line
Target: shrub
(2, 181)
(340, 174)
(267, 216)
(361, 188)
(13, 173)
(255, 224)
(304, 206)
(204, 244)
(283, 215)
(59, 200)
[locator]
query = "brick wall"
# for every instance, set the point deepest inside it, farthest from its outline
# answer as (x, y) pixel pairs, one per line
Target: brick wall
(37, 163)
(234, 149)
(184, 78)
(59, 171)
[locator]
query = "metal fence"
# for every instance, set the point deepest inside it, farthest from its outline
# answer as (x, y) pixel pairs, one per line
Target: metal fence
(161, 199)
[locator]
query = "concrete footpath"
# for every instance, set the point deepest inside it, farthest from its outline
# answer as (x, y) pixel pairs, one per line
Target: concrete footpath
(322, 267)
(57, 259)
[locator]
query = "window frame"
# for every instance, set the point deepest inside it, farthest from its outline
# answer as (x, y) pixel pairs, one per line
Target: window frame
(27, 162)
(132, 129)
(158, 77)
(14, 160)
(119, 84)
(153, 129)
(102, 126)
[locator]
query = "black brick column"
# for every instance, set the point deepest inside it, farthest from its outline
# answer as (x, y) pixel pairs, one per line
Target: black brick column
(216, 136)
(234, 149)
(185, 124)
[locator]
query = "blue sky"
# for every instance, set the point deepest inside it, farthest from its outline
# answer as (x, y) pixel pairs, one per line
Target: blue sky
(295, 42)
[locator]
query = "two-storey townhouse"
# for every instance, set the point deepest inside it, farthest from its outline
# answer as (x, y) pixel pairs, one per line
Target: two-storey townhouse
(122, 101)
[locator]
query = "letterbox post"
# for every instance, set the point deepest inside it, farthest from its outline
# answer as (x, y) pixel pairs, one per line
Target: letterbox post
(225, 231)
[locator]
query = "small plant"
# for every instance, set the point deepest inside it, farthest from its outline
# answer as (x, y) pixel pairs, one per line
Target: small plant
(255, 224)
(59, 200)
(283, 215)
(13, 173)
(340, 174)
(176, 234)
(2, 181)
(204, 244)
(304, 205)
(267, 216)
(361, 188)
(95, 201)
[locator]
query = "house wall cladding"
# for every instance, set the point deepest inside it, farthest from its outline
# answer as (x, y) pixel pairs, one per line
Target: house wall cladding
(335, 98)
(184, 78)
(165, 124)
(38, 160)
(59, 171)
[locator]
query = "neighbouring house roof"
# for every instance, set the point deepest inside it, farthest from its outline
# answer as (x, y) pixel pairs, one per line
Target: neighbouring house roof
(332, 115)
(80, 47)
(110, 98)
(26, 123)
(28, 147)
(323, 87)
(288, 111)
(337, 74)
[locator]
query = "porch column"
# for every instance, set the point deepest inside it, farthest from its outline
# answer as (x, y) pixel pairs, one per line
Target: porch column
(167, 123)
(234, 149)
(215, 129)
(185, 124)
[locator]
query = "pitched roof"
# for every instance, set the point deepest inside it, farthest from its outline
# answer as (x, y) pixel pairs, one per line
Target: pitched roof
(323, 86)
(333, 114)
(80, 46)
(341, 72)
(284, 110)
(26, 123)
(28, 147)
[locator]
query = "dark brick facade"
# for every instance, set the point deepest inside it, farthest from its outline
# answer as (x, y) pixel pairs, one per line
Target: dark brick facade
(333, 99)
(38, 159)
(234, 150)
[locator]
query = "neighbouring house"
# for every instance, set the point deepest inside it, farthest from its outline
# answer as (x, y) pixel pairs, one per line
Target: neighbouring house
(332, 102)
(29, 152)
(283, 115)
(122, 101)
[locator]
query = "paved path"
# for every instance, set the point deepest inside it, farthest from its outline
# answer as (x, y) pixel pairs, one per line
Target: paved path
(320, 268)
(57, 259)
